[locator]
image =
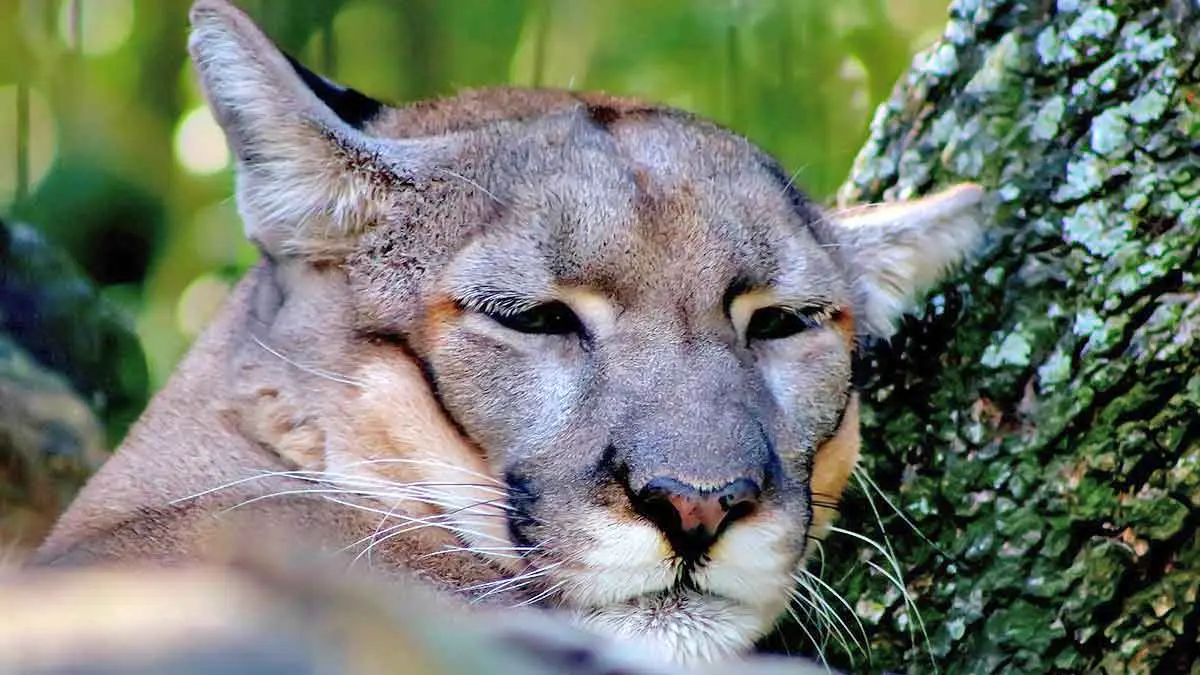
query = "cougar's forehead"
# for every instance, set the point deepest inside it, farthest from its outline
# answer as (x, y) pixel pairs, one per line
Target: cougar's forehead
(649, 204)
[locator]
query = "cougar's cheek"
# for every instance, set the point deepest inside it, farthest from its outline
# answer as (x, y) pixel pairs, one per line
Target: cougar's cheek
(832, 465)
(396, 435)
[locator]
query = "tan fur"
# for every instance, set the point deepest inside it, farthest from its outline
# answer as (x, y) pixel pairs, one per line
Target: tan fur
(362, 392)
(832, 466)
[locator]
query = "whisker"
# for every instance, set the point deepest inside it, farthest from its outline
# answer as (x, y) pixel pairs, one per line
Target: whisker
(510, 584)
(514, 584)
(424, 462)
(225, 486)
(416, 491)
(912, 606)
(406, 526)
(818, 596)
(341, 477)
(887, 555)
(822, 626)
(501, 582)
(397, 494)
(472, 183)
(820, 548)
(805, 613)
(446, 501)
(316, 476)
(821, 614)
(410, 520)
(893, 560)
(541, 596)
(375, 539)
(391, 495)
(330, 484)
(282, 493)
(498, 551)
(864, 206)
(844, 603)
(791, 181)
(879, 521)
(862, 476)
(379, 533)
(520, 577)
(312, 370)
(817, 645)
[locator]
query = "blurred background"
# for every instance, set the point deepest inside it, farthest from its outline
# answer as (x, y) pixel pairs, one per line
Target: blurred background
(107, 149)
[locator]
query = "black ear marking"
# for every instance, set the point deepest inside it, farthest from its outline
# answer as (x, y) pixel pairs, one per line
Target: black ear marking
(353, 107)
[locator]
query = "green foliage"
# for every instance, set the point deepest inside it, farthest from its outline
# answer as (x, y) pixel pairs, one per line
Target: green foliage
(55, 314)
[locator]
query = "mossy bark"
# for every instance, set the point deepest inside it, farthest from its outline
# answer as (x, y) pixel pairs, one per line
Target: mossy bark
(1040, 423)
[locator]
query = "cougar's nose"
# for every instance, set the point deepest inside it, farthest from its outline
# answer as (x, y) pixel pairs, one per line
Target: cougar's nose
(693, 518)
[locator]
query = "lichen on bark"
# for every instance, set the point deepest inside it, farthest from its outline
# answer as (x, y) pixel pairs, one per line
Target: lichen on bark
(1039, 423)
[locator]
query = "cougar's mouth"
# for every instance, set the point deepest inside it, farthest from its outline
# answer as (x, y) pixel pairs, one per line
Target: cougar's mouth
(686, 586)
(624, 579)
(667, 602)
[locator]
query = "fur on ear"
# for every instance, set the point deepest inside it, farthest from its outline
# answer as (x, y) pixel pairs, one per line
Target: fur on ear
(897, 251)
(307, 175)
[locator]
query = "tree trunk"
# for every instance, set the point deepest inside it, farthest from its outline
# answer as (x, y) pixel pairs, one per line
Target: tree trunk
(1040, 424)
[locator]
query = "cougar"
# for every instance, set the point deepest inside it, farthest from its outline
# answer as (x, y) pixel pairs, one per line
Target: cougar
(532, 347)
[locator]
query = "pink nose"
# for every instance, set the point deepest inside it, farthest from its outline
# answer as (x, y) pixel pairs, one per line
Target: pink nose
(698, 510)
(691, 518)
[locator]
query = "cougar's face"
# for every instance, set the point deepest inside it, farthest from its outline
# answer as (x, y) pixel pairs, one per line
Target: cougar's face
(621, 320)
(650, 346)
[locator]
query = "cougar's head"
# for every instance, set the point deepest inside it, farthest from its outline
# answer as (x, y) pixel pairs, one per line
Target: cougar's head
(615, 335)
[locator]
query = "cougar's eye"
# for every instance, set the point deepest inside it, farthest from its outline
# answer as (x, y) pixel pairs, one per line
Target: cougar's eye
(776, 323)
(549, 318)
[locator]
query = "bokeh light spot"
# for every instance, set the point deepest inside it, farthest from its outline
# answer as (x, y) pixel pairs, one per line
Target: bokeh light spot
(854, 72)
(103, 25)
(200, 144)
(199, 303)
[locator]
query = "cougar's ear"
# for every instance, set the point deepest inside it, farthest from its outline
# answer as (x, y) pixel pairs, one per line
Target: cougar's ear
(308, 177)
(898, 251)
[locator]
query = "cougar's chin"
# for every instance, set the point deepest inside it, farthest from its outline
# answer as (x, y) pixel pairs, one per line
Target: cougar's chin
(629, 585)
(685, 627)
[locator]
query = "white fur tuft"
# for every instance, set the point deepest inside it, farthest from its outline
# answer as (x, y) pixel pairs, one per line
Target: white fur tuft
(900, 250)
